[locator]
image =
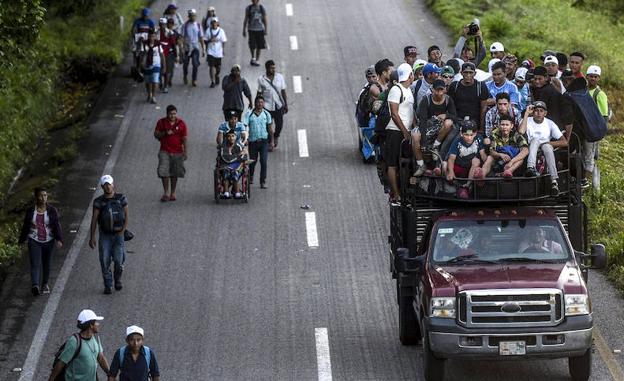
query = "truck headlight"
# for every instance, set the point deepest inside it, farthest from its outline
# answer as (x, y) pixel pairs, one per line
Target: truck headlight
(443, 307)
(577, 305)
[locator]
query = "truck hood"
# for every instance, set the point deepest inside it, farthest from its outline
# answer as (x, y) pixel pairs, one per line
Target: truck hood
(449, 280)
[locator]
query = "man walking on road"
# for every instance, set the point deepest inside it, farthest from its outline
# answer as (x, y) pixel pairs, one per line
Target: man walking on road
(110, 212)
(234, 86)
(272, 87)
(256, 23)
(82, 352)
(215, 39)
(171, 132)
(193, 41)
(260, 138)
(134, 361)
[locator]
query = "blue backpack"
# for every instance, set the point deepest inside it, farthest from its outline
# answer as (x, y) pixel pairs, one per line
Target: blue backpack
(591, 124)
(148, 356)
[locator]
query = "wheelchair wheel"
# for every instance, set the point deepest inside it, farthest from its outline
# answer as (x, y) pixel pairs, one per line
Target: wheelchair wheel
(216, 186)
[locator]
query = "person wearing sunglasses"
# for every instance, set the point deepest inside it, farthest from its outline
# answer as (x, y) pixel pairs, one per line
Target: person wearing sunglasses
(447, 75)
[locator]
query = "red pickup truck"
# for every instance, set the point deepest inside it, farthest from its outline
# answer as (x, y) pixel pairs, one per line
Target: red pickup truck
(501, 275)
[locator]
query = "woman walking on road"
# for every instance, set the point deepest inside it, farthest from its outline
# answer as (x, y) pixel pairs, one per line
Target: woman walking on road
(42, 230)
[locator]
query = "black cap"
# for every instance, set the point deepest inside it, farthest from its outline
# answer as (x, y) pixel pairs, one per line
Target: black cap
(438, 84)
(540, 70)
(468, 66)
(232, 113)
(409, 50)
(432, 48)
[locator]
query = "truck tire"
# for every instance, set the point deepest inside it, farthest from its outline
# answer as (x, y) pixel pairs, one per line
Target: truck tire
(580, 367)
(433, 366)
(409, 331)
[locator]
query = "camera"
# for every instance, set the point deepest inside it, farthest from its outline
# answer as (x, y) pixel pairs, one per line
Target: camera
(473, 27)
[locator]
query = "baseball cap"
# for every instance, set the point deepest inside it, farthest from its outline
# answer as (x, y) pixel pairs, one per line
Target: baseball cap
(214, 19)
(419, 64)
(106, 179)
(528, 63)
(438, 84)
(370, 70)
(145, 11)
(409, 50)
(163, 20)
(432, 48)
(134, 329)
(521, 73)
(236, 67)
(211, 8)
(547, 52)
(172, 6)
(540, 104)
(497, 47)
(468, 66)
(431, 68)
(448, 70)
(594, 69)
(540, 70)
(551, 60)
(404, 70)
(510, 58)
(88, 315)
(468, 127)
(232, 113)
(192, 11)
(491, 63)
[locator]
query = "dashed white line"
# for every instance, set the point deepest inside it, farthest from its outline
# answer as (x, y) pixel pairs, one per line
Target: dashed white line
(297, 87)
(323, 359)
(302, 137)
(310, 219)
(294, 45)
(289, 9)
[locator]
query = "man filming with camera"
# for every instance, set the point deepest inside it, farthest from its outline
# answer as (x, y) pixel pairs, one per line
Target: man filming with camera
(463, 49)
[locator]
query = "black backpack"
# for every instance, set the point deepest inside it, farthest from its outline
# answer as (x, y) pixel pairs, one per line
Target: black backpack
(365, 103)
(384, 115)
(112, 216)
(57, 357)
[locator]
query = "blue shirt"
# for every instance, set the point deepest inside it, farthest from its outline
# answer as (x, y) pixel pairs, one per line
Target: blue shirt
(134, 370)
(524, 97)
(463, 152)
(142, 26)
(507, 87)
(258, 125)
(239, 129)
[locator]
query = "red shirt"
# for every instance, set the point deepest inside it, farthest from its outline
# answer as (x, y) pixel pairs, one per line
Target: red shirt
(172, 143)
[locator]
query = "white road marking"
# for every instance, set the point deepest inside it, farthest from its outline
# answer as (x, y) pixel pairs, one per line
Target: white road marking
(289, 9)
(310, 219)
(303, 143)
(41, 334)
(297, 87)
(294, 45)
(323, 359)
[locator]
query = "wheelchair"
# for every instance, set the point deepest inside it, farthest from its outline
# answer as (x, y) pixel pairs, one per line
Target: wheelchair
(245, 188)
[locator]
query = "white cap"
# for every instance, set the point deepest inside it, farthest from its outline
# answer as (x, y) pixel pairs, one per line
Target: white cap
(491, 63)
(163, 20)
(497, 47)
(521, 73)
(594, 69)
(134, 329)
(88, 315)
(106, 179)
(404, 70)
(211, 8)
(192, 11)
(551, 60)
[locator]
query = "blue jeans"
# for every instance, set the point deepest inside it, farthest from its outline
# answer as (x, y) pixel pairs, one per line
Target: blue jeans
(194, 57)
(112, 249)
(260, 147)
(40, 257)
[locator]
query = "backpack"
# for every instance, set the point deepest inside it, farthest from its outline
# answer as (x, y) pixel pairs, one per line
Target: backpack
(148, 356)
(384, 116)
(57, 357)
(112, 216)
(592, 126)
(365, 103)
(609, 111)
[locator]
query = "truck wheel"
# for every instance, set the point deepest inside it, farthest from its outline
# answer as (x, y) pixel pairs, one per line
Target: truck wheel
(580, 367)
(409, 331)
(433, 366)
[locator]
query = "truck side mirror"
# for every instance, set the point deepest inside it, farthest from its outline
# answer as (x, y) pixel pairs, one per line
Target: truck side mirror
(598, 256)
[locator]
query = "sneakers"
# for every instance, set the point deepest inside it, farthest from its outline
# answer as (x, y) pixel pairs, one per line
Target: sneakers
(108, 290)
(226, 194)
(253, 62)
(554, 189)
(584, 183)
(35, 290)
(212, 85)
(153, 101)
(531, 172)
(238, 195)
(118, 285)
(45, 289)
(194, 83)
(263, 186)
(185, 80)
(419, 171)
(463, 193)
(165, 90)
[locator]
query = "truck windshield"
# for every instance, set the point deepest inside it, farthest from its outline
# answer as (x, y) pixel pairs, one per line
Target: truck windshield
(499, 241)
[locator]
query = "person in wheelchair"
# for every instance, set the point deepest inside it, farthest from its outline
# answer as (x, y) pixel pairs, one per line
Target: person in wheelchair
(235, 125)
(231, 161)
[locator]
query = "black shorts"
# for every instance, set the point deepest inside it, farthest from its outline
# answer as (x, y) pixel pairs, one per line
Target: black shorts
(213, 61)
(256, 40)
(392, 147)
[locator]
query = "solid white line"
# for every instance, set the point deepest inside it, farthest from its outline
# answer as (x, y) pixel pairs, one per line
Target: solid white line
(303, 143)
(323, 359)
(294, 45)
(41, 334)
(289, 9)
(297, 87)
(310, 219)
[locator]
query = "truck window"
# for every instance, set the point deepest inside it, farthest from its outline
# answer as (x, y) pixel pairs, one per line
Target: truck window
(500, 241)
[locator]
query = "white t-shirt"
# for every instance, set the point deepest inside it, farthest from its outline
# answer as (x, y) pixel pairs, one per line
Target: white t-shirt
(406, 109)
(156, 52)
(215, 48)
(543, 132)
(272, 98)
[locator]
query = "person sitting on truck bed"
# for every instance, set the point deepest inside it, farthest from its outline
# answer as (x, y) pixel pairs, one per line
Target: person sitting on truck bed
(508, 149)
(465, 155)
(503, 107)
(536, 242)
(542, 134)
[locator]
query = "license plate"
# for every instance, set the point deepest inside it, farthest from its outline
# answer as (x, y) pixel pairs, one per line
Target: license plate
(512, 348)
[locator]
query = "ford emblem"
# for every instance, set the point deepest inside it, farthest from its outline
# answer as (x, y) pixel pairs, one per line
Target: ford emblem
(511, 308)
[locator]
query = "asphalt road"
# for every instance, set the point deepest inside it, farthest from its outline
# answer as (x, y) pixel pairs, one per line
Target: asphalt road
(233, 291)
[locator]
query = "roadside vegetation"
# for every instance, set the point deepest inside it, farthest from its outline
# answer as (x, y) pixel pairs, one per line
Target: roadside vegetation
(54, 58)
(527, 28)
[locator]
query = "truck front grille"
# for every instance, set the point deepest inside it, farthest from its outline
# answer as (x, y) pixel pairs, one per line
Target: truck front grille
(510, 308)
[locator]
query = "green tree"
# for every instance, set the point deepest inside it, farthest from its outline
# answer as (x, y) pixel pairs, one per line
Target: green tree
(20, 23)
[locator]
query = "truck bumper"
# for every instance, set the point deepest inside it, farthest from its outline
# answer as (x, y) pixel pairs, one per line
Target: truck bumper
(548, 343)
